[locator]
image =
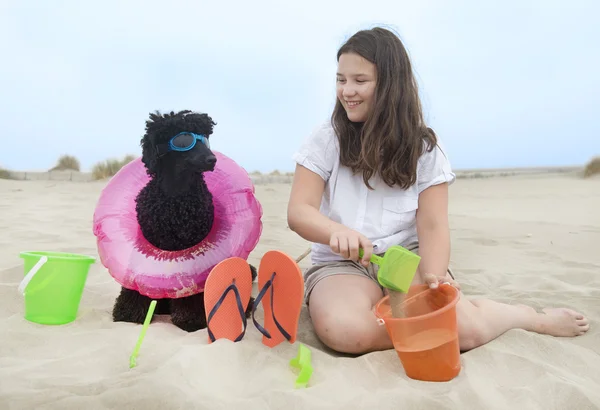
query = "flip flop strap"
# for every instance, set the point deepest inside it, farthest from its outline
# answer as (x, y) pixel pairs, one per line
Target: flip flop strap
(263, 291)
(241, 309)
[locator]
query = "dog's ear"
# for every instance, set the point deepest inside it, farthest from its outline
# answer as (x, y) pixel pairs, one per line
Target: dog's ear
(209, 123)
(200, 123)
(149, 154)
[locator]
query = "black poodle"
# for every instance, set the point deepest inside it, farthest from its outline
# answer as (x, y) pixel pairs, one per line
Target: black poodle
(175, 209)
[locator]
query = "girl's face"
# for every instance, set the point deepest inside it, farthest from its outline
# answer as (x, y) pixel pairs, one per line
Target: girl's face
(356, 79)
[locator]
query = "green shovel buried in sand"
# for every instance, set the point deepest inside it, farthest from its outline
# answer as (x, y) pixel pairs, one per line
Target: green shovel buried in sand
(302, 362)
(397, 268)
(136, 350)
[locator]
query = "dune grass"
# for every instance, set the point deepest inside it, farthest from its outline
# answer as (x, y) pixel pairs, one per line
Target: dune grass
(67, 163)
(5, 174)
(108, 168)
(275, 173)
(592, 168)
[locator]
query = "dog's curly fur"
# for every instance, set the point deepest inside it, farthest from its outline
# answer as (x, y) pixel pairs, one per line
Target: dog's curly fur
(174, 210)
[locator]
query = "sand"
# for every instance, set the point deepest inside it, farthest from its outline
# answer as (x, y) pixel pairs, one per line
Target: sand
(521, 239)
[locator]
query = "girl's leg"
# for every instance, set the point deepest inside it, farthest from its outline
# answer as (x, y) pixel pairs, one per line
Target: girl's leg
(482, 320)
(342, 311)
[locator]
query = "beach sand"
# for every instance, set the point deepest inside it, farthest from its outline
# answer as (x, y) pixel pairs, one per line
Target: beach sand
(530, 239)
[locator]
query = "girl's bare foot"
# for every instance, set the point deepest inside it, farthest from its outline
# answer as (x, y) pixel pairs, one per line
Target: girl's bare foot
(561, 322)
(483, 320)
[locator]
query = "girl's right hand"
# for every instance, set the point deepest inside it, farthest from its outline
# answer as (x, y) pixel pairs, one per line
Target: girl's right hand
(347, 243)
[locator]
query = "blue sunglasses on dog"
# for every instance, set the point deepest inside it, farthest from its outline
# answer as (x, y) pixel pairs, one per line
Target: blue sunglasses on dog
(184, 141)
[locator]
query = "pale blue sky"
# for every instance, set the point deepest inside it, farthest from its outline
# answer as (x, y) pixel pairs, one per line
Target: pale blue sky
(504, 83)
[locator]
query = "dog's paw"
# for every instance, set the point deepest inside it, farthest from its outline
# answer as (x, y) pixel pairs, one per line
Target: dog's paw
(188, 313)
(249, 308)
(189, 324)
(254, 274)
(131, 307)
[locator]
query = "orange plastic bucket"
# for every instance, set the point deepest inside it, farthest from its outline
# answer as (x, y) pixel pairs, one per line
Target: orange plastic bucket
(426, 339)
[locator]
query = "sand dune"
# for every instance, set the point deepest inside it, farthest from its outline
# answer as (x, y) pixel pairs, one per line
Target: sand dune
(522, 239)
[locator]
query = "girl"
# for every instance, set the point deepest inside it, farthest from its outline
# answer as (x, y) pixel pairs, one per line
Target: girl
(376, 176)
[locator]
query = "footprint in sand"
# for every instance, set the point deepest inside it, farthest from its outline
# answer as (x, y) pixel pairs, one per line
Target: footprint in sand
(481, 241)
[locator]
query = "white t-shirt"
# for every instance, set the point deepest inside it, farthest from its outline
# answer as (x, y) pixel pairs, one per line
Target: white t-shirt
(385, 215)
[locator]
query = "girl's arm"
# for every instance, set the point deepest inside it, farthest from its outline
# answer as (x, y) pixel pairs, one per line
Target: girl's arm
(303, 213)
(306, 220)
(433, 232)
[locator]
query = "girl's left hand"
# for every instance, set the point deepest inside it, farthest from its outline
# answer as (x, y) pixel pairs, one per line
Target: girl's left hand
(434, 281)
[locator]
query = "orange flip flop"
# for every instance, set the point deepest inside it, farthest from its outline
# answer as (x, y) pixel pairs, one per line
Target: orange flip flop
(226, 294)
(281, 291)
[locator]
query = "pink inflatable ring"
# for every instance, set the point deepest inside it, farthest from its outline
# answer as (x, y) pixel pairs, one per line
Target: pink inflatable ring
(138, 265)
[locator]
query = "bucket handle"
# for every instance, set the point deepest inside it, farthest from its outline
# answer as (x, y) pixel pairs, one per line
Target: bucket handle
(30, 274)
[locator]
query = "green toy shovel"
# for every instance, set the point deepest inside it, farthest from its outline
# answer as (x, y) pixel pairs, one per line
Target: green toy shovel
(397, 268)
(136, 350)
(303, 363)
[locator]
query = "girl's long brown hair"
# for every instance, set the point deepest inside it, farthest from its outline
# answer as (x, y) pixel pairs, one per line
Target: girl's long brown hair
(390, 142)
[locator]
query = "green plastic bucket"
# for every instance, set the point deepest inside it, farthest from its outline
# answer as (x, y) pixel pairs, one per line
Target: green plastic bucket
(53, 285)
